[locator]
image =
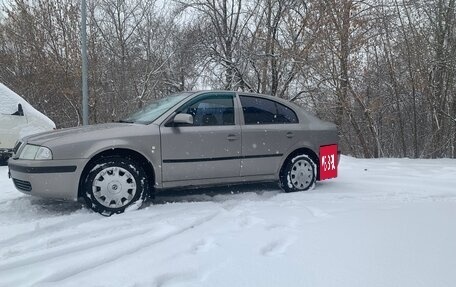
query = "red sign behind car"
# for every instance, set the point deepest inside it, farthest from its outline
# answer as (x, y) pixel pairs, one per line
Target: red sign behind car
(328, 161)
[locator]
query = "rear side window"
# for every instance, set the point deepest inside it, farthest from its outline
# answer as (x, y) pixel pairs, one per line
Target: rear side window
(259, 111)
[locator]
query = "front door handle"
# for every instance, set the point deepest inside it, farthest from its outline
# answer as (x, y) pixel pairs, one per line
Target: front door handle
(290, 135)
(232, 137)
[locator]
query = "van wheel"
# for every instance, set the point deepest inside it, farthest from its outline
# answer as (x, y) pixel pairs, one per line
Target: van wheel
(298, 174)
(113, 184)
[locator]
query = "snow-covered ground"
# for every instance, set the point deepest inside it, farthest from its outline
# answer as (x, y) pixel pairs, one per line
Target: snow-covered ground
(387, 222)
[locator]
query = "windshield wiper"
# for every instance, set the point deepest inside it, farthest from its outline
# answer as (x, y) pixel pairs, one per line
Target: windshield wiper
(125, 121)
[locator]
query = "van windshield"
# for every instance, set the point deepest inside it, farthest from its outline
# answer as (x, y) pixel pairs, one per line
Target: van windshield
(155, 109)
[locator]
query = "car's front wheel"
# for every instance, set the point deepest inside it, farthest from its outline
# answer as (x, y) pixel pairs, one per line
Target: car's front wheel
(298, 174)
(112, 184)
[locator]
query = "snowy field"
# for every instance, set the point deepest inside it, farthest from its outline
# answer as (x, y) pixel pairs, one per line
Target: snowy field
(387, 222)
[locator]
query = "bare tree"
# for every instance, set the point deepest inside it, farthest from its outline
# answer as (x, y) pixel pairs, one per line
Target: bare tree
(384, 71)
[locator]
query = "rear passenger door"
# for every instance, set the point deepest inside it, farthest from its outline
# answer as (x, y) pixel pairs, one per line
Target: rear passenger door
(268, 131)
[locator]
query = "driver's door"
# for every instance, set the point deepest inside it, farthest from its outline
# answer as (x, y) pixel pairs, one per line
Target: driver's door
(209, 148)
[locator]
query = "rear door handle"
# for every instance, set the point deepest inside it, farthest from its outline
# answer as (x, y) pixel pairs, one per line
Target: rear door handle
(232, 137)
(290, 135)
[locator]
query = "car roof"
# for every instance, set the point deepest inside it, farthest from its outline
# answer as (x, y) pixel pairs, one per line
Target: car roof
(242, 93)
(298, 109)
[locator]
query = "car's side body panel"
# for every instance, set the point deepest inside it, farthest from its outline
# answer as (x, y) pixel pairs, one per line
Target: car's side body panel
(215, 181)
(263, 146)
(200, 152)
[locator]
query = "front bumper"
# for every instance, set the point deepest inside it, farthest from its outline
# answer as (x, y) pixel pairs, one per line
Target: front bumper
(58, 179)
(5, 153)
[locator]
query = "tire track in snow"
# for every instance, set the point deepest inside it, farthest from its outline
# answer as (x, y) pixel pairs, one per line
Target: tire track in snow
(130, 251)
(55, 227)
(277, 247)
(174, 278)
(108, 244)
(317, 212)
(56, 234)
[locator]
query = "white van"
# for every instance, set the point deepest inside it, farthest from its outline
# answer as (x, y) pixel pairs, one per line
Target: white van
(18, 119)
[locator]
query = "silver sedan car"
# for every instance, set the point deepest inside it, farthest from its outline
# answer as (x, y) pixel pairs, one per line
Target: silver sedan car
(187, 139)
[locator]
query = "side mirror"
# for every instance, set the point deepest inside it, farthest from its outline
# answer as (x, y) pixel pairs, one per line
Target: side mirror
(183, 119)
(19, 112)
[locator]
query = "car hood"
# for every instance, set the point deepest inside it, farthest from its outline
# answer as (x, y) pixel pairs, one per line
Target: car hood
(76, 134)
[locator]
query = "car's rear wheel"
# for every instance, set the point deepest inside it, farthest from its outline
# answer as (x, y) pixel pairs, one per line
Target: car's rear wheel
(299, 173)
(112, 184)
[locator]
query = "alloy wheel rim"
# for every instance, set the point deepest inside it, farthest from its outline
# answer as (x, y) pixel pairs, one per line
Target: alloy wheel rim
(301, 174)
(114, 187)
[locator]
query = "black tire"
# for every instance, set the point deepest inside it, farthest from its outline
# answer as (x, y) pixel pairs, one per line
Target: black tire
(131, 185)
(299, 173)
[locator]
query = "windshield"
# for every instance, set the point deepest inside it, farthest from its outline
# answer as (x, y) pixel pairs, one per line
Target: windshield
(155, 109)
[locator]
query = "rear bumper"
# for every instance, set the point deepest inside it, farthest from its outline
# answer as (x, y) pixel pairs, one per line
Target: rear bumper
(58, 179)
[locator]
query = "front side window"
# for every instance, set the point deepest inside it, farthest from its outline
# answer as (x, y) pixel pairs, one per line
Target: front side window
(259, 111)
(212, 110)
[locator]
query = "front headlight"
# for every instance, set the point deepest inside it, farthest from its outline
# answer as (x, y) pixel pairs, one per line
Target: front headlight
(43, 153)
(32, 152)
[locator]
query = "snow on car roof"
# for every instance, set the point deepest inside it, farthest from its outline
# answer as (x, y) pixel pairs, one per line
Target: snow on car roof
(9, 101)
